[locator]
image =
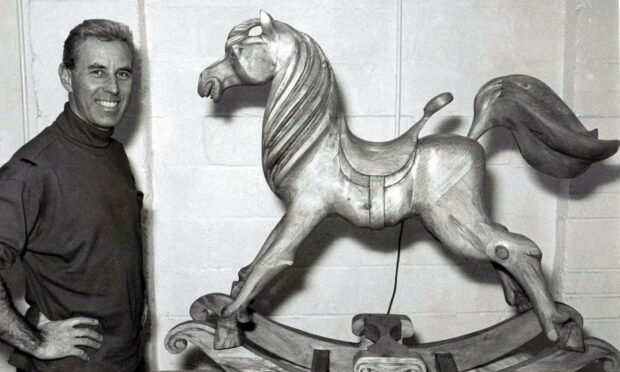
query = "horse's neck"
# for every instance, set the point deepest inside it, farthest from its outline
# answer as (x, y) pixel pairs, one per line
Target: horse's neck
(297, 117)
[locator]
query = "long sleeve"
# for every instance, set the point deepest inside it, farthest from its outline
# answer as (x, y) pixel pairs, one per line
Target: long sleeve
(18, 213)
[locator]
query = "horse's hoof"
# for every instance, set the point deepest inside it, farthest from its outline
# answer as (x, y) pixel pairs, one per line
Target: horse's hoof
(518, 298)
(227, 334)
(243, 316)
(570, 337)
(523, 305)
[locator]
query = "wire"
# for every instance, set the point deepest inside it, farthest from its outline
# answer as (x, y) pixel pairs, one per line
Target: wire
(400, 244)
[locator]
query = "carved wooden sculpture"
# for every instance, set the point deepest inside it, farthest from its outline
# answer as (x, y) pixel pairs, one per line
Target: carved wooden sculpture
(319, 168)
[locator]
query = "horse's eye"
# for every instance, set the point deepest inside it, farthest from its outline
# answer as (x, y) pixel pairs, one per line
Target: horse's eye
(255, 31)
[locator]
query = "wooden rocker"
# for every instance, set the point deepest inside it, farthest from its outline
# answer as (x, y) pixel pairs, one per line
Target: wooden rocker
(381, 348)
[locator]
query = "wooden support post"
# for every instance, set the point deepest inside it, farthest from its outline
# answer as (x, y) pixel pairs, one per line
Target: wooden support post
(445, 363)
(320, 361)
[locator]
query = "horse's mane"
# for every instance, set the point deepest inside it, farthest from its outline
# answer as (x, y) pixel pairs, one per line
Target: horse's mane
(299, 101)
(241, 32)
(294, 116)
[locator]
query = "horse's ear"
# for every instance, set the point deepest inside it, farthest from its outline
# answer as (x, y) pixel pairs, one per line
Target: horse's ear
(267, 24)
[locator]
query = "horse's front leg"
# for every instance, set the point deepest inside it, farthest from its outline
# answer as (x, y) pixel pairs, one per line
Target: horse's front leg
(245, 271)
(277, 253)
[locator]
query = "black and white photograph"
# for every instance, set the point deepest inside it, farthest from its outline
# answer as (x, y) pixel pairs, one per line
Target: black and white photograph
(309, 185)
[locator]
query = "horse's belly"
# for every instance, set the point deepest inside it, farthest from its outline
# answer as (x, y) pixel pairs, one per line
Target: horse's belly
(353, 204)
(442, 161)
(399, 201)
(375, 209)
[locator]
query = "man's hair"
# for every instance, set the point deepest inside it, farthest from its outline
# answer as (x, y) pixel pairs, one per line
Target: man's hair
(102, 29)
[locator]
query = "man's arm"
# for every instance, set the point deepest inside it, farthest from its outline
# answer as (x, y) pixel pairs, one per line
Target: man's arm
(53, 340)
(19, 209)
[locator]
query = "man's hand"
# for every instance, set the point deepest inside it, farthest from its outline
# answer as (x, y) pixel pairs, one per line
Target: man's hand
(60, 339)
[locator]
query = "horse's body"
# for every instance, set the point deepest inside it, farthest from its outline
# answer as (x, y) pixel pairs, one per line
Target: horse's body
(319, 168)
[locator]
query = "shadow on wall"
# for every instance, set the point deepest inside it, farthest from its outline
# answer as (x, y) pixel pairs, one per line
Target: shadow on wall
(236, 98)
(292, 280)
(594, 178)
(126, 131)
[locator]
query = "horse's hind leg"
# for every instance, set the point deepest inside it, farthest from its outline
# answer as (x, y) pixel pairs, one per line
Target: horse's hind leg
(521, 258)
(458, 221)
(514, 293)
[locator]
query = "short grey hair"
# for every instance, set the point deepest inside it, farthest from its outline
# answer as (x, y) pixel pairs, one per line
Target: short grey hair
(102, 29)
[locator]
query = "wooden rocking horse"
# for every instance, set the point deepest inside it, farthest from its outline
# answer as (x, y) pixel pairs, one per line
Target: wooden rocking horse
(319, 168)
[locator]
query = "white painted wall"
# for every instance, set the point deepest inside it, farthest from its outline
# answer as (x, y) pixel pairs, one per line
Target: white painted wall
(12, 129)
(11, 115)
(591, 248)
(209, 209)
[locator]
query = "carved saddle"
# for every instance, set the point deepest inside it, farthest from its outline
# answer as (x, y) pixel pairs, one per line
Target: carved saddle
(378, 165)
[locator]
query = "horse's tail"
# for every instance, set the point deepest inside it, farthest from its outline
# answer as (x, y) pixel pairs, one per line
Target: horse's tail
(548, 133)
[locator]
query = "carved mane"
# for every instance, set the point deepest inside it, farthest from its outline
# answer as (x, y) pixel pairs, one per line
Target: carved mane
(295, 114)
(299, 100)
(241, 32)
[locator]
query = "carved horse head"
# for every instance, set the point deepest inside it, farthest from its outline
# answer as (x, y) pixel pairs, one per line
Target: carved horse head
(249, 59)
(302, 98)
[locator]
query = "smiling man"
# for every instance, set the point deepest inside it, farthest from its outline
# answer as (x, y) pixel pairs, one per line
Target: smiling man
(70, 210)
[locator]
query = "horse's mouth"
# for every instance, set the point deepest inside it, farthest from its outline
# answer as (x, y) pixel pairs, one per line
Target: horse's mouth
(211, 88)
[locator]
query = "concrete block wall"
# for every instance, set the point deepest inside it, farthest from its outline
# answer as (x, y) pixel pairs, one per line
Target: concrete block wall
(591, 218)
(12, 130)
(11, 136)
(209, 209)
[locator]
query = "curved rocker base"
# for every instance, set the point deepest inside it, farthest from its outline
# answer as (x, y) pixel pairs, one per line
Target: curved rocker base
(294, 350)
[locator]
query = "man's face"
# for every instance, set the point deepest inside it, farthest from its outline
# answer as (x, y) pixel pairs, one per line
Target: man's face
(100, 84)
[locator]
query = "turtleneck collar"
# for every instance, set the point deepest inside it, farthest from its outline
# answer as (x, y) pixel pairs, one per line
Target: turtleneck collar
(82, 132)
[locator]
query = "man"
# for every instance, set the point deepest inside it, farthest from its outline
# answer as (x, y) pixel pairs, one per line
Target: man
(70, 209)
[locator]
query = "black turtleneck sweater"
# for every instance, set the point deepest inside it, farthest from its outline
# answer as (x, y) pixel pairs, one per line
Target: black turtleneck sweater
(70, 209)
